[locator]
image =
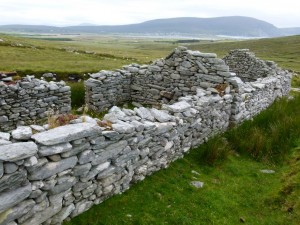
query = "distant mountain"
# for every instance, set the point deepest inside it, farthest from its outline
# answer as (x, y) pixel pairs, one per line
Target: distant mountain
(290, 31)
(230, 26)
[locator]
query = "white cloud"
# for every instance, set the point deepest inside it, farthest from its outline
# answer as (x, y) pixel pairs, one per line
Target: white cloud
(72, 12)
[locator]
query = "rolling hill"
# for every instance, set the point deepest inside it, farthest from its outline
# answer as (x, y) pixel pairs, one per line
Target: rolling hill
(231, 26)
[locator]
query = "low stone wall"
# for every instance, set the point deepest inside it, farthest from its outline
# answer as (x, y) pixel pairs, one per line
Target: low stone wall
(107, 88)
(53, 175)
(248, 67)
(162, 82)
(27, 101)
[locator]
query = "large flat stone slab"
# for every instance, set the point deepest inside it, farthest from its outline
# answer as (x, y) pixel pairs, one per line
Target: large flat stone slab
(66, 133)
(53, 168)
(178, 107)
(17, 151)
(12, 198)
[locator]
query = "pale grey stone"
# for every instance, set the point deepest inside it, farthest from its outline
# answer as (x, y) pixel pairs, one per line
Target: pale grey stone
(144, 113)
(54, 149)
(59, 188)
(37, 128)
(67, 133)
(267, 171)
(136, 87)
(175, 76)
(112, 135)
(3, 119)
(95, 170)
(30, 161)
(44, 215)
(17, 151)
(81, 207)
(53, 168)
(123, 127)
(11, 198)
(178, 107)
(138, 125)
(82, 170)
(22, 133)
(10, 167)
(153, 68)
(202, 68)
(197, 184)
(162, 128)
(86, 156)
(63, 214)
(16, 212)
(76, 150)
(1, 169)
(258, 85)
(4, 142)
(10, 181)
(161, 115)
(4, 136)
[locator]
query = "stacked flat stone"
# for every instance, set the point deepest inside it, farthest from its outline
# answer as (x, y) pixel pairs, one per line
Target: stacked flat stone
(107, 88)
(257, 84)
(162, 82)
(248, 67)
(28, 100)
(57, 174)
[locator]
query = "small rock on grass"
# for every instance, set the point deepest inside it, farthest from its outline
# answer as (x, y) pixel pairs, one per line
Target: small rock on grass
(197, 184)
(267, 171)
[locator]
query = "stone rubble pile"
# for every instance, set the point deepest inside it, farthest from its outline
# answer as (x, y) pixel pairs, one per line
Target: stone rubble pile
(29, 100)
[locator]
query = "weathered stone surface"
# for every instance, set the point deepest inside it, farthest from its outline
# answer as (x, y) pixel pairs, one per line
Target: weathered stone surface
(267, 171)
(10, 181)
(86, 156)
(22, 133)
(1, 169)
(82, 170)
(16, 212)
(66, 133)
(4, 136)
(4, 142)
(11, 198)
(54, 149)
(59, 188)
(123, 127)
(63, 214)
(144, 113)
(17, 151)
(10, 167)
(197, 184)
(160, 115)
(53, 168)
(178, 107)
(112, 135)
(44, 215)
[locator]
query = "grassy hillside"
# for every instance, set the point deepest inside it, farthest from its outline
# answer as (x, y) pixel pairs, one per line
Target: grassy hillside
(83, 54)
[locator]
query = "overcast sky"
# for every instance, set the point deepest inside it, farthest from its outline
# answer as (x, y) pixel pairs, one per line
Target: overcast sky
(281, 13)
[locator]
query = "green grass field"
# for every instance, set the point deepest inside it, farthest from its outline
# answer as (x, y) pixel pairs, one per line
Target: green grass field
(85, 54)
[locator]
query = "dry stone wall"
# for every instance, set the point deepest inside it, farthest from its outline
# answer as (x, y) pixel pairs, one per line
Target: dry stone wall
(57, 174)
(48, 176)
(28, 100)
